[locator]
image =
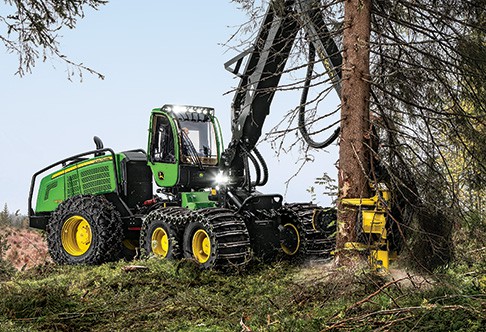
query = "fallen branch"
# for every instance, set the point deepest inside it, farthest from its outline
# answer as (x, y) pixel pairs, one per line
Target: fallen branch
(381, 289)
(74, 315)
(396, 311)
(131, 268)
(244, 327)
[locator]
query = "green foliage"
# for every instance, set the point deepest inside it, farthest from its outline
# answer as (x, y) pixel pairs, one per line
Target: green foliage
(470, 239)
(12, 219)
(6, 269)
(324, 185)
(5, 218)
(169, 296)
(30, 29)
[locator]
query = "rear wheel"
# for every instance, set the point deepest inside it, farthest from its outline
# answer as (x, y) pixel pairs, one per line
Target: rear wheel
(290, 239)
(300, 237)
(76, 235)
(84, 230)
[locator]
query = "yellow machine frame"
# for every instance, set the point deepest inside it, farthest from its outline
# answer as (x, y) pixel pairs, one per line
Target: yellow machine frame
(374, 212)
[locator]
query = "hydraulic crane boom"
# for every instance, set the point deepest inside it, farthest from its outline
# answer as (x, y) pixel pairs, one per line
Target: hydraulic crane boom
(265, 63)
(259, 81)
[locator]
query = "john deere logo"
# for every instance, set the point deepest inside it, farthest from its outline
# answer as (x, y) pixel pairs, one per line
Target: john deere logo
(161, 175)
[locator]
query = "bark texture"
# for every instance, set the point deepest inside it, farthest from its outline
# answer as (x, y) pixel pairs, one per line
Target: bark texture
(355, 124)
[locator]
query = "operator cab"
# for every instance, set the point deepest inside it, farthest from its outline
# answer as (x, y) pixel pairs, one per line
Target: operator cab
(184, 146)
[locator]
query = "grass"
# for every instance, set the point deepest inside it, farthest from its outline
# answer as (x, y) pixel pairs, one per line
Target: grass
(171, 296)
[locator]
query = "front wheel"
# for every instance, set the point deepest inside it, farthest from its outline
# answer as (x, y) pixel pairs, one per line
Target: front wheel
(160, 239)
(307, 230)
(84, 230)
(217, 238)
(161, 234)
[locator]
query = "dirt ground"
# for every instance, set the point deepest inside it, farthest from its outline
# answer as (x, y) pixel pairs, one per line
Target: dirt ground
(27, 248)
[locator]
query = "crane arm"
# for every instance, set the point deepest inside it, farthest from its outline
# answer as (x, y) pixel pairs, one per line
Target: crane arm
(265, 63)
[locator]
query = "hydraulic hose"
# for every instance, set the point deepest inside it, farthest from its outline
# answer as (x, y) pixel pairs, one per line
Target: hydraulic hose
(263, 166)
(257, 170)
(303, 101)
(256, 165)
(260, 166)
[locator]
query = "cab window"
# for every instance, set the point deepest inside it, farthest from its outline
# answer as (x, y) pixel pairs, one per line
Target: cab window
(162, 148)
(203, 138)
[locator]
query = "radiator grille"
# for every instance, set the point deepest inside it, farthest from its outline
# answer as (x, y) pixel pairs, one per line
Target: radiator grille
(96, 180)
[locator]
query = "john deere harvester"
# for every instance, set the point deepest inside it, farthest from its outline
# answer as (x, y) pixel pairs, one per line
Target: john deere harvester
(100, 205)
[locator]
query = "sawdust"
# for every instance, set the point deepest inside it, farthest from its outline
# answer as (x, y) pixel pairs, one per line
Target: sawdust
(328, 272)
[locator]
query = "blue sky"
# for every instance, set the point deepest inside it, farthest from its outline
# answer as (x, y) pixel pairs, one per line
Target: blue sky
(152, 53)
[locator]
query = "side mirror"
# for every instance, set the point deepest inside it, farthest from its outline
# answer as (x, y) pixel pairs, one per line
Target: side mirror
(99, 145)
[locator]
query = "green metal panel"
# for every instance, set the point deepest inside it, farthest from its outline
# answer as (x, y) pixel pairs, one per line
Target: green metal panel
(93, 176)
(196, 200)
(50, 194)
(219, 136)
(165, 174)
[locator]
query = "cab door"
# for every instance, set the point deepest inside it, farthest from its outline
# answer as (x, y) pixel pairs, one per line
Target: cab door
(163, 150)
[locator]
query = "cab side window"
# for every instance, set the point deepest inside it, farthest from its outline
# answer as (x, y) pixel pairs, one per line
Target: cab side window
(163, 149)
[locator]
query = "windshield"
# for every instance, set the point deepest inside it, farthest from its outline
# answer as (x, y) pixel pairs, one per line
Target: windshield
(202, 136)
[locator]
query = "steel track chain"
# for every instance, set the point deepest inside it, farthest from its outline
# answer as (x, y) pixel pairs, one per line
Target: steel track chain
(313, 242)
(228, 231)
(230, 236)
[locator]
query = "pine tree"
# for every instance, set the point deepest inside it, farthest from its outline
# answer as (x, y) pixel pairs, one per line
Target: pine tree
(30, 30)
(5, 218)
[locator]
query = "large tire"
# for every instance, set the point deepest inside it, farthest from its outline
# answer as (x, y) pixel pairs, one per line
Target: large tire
(303, 238)
(85, 230)
(291, 239)
(159, 238)
(217, 238)
(161, 232)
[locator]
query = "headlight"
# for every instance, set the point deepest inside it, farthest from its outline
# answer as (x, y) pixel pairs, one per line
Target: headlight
(221, 178)
(179, 109)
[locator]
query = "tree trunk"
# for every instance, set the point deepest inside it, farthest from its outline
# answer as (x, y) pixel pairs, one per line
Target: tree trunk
(355, 125)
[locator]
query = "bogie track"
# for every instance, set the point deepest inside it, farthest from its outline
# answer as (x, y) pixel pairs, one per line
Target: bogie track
(213, 237)
(161, 232)
(217, 238)
(315, 242)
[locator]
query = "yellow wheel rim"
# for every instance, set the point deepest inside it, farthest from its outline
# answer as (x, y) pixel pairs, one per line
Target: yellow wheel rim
(292, 249)
(76, 236)
(160, 242)
(201, 246)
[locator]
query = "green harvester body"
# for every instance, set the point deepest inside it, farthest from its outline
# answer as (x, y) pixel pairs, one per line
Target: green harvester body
(104, 174)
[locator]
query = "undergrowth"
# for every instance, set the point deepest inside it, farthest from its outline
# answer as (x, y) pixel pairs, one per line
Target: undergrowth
(171, 296)
(6, 268)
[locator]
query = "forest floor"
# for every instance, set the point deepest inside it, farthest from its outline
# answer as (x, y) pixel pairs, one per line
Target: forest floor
(26, 247)
(155, 295)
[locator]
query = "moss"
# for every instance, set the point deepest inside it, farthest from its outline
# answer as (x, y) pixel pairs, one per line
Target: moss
(178, 297)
